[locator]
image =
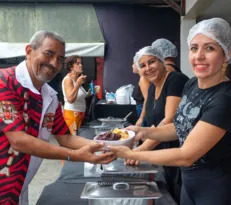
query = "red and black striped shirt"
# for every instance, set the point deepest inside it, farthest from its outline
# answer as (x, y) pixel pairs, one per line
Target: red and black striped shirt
(20, 110)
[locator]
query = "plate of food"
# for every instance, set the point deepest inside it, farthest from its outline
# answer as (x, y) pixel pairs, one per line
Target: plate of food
(116, 137)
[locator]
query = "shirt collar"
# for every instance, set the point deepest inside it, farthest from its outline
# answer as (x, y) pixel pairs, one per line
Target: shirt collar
(23, 77)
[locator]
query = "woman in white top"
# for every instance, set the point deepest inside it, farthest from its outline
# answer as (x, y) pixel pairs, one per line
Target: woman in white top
(74, 94)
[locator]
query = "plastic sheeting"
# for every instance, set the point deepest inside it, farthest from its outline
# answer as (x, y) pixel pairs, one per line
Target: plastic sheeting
(76, 23)
(9, 50)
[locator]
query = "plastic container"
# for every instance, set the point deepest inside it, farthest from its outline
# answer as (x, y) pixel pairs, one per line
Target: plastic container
(110, 98)
(123, 94)
(92, 87)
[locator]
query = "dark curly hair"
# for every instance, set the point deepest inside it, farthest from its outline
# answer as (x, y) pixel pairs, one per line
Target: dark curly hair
(69, 62)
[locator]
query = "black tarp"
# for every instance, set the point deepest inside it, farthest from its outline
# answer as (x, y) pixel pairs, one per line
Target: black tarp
(126, 29)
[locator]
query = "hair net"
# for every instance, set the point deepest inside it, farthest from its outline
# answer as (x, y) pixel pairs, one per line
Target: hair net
(147, 50)
(217, 29)
(167, 48)
(135, 58)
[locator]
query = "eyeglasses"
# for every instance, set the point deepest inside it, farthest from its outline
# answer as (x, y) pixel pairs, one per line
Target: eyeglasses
(79, 63)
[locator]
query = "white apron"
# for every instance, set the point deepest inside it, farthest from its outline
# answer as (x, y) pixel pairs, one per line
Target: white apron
(50, 104)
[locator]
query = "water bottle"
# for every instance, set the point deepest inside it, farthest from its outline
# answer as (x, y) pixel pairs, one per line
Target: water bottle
(92, 88)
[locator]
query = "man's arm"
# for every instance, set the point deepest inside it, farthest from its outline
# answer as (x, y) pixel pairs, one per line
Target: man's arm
(22, 142)
(73, 141)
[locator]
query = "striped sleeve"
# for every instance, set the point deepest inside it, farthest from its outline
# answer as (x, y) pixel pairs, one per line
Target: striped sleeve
(59, 126)
(11, 109)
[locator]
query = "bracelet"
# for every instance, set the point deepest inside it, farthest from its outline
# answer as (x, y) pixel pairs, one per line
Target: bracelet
(69, 155)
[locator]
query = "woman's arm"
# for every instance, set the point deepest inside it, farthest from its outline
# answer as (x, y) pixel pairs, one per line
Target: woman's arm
(71, 91)
(170, 110)
(168, 134)
(171, 106)
(163, 133)
(144, 85)
(201, 139)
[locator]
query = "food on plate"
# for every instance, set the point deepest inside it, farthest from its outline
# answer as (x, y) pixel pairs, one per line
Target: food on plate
(123, 133)
(113, 135)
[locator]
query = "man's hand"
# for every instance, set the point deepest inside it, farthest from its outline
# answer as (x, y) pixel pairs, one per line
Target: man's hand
(87, 154)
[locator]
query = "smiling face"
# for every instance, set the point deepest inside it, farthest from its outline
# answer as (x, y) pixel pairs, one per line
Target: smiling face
(45, 62)
(152, 68)
(206, 57)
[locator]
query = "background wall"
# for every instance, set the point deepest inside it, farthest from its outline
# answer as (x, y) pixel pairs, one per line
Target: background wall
(126, 29)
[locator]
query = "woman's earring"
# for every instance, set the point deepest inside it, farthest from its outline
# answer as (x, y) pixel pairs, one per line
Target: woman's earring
(224, 66)
(223, 70)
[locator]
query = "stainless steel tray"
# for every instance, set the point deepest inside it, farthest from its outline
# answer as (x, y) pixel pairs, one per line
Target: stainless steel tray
(118, 167)
(129, 190)
(111, 120)
(92, 170)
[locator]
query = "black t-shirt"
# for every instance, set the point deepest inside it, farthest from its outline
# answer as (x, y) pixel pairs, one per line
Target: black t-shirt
(176, 68)
(137, 95)
(173, 86)
(155, 108)
(211, 105)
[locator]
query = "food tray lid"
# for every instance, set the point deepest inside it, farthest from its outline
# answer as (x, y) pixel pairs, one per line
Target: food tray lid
(128, 190)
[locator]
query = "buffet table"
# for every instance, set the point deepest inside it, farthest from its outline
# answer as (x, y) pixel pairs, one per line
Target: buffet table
(69, 185)
(103, 110)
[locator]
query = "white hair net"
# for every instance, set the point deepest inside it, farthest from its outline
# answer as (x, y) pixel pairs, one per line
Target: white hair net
(217, 29)
(135, 58)
(167, 48)
(147, 50)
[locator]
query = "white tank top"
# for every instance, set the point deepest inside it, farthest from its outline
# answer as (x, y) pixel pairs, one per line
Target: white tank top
(79, 105)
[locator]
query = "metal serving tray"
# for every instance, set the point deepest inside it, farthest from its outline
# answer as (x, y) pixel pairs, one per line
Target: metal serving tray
(112, 121)
(128, 190)
(118, 167)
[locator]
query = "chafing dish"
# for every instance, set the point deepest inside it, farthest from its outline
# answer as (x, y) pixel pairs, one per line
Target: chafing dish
(126, 190)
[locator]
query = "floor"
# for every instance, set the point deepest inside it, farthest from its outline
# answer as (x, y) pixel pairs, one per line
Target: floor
(47, 173)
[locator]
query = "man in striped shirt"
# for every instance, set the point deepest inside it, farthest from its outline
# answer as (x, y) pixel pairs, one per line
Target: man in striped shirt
(29, 114)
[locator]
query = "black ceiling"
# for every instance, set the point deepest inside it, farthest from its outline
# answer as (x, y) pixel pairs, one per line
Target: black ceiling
(178, 5)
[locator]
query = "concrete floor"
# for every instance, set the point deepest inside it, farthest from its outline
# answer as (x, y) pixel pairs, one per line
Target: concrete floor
(47, 173)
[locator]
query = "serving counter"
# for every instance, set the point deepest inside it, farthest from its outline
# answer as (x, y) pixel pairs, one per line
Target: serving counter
(68, 188)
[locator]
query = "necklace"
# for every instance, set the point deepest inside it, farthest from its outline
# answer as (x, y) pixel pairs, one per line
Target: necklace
(154, 104)
(157, 94)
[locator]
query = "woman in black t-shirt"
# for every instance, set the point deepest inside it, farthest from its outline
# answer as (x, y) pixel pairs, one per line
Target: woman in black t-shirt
(202, 122)
(164, 95)
(157, 113)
